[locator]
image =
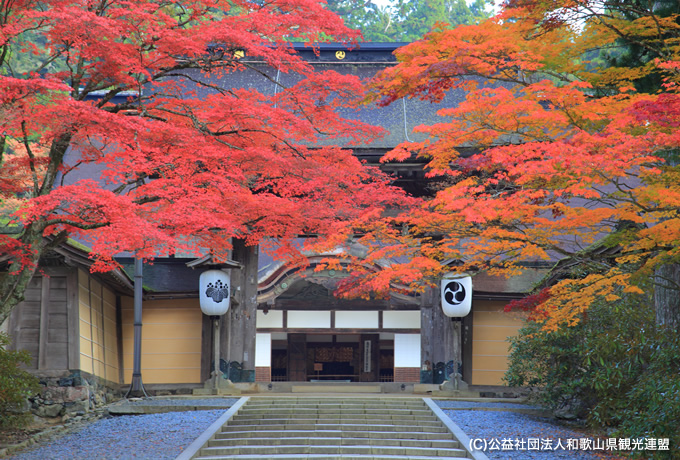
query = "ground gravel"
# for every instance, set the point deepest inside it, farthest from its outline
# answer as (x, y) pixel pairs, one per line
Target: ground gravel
(511, 432)
(483, 405)
(151, 436)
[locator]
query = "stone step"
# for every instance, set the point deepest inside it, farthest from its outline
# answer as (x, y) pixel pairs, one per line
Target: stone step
(256, 434)
(363, 418)
(268, 451)
(338, 404)
(348, 411)
(343, 427)
(330, 420)
(333, 428)
(334, 409)
(255, 401)
(325, 457)
(335, 441)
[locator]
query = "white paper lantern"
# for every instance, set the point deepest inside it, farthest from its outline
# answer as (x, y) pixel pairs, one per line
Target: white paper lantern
(456, 295)
(214, 291)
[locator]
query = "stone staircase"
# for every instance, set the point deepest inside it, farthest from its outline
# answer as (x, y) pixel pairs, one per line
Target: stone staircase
(333, 428)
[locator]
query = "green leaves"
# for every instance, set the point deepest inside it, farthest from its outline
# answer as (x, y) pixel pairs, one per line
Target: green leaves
(16, 384)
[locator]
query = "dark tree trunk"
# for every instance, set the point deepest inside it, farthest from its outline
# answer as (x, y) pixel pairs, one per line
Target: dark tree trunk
(13, 285)
(667, 296)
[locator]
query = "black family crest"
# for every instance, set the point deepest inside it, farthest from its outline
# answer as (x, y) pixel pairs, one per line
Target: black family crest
(217, 291)
(454, 293)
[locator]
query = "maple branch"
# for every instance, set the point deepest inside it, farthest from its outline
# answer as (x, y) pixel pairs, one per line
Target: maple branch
(57, 151)
(31, 158)
(80, 225)
(627, 37)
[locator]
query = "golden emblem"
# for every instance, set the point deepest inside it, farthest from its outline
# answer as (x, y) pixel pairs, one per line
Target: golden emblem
(340, 55)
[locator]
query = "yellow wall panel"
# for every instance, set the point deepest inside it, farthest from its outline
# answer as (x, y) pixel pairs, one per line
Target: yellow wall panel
(112, 373)
(497, 333)
(172, 361)
(85, 330)
(82, 277)
(166, 376)
(486, 377)
(171, 340)
(175, 331)
(96, 331)
(83, 294)
(110, 327)
(491, 327)
(191, 345)
(98, 352)
(85, 363)
(85, 346)
(110, 312)
(110, 357)
(491, 363)
(492, 347)
(84, 311)
(95, 286)
(489, 305)
(490, 318)
(109, 297)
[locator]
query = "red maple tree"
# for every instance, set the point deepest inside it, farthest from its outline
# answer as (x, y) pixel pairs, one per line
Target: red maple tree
(119, 127)
(571, 162)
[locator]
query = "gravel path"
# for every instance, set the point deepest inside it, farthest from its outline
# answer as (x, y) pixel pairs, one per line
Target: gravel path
(483, 405)
(152, 436)
(507, 434)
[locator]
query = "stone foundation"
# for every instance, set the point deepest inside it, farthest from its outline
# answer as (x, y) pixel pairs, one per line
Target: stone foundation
(73, 394)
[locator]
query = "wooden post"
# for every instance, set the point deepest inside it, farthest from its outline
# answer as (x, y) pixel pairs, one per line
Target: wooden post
(238, 334)
(136, 386)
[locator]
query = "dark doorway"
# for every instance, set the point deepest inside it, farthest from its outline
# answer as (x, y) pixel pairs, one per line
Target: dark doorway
(297, 363)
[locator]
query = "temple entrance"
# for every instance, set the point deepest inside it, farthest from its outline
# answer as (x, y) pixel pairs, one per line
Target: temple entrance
(333, 357)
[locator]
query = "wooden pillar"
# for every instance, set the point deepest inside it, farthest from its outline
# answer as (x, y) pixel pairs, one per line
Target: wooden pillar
(441, 337)
(369, 349)
(239, 345)
(428, 334)
(466, 347)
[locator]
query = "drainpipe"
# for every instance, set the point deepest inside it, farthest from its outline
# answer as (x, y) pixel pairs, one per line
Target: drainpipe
(136, 386)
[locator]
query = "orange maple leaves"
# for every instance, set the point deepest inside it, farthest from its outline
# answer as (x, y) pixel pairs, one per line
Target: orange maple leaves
(569, 157)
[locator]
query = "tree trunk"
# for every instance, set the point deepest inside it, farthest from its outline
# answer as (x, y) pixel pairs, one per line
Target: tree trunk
(13, 285)
(667, 296)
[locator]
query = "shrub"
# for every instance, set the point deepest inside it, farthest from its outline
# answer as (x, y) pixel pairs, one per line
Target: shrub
(614, 369)
(16, 385)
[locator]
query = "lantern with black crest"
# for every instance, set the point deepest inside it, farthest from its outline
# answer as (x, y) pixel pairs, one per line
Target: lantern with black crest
(214, 292)
(456, 292)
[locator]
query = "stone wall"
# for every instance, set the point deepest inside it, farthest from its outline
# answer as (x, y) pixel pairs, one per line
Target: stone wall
(74, 394)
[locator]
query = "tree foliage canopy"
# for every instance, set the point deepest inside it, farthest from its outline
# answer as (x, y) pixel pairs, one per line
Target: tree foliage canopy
(120, 127)
(572, 162)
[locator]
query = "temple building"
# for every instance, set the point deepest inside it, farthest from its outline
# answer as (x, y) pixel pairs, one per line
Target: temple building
(285, 323)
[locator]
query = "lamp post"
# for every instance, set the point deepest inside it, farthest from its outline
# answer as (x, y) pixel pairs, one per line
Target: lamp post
(456, 297)
(214, 292)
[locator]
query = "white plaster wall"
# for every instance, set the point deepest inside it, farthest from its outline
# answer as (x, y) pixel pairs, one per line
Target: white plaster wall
(274, 318)
(309, 319)
(401, 319)
(356, 319)
(406, 350)
(263, 350)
